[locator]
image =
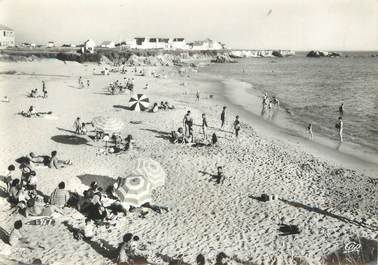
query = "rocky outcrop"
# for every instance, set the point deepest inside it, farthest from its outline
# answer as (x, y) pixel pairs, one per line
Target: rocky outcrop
(158, 60)
(261, 53)
(318, 54)
(223, 58)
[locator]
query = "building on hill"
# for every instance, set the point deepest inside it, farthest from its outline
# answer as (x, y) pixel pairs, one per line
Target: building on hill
(207, 44)
(178, 44)
(108, 44)
(7, 37)
(89, 46)
(50, 44)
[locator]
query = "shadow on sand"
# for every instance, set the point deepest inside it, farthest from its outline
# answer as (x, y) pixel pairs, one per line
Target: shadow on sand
(69, 139)
(102, 181)
(121, 107)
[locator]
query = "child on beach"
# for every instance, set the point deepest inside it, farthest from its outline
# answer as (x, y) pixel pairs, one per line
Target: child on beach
(237, 125)
(223, 116)
(204, 126)
(309, 131)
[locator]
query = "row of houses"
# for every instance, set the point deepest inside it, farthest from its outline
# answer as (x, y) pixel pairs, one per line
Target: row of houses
(158, 43)
(7, 39)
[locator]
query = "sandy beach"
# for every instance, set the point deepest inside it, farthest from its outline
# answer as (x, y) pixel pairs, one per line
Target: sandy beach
(330, 196)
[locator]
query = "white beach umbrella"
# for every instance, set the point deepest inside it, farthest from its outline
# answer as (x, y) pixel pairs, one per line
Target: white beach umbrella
(134, 190)
(139, 102)
(151, 169)
(107, 124)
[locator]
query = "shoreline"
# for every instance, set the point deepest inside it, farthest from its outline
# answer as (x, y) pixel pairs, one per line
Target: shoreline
(234, 95)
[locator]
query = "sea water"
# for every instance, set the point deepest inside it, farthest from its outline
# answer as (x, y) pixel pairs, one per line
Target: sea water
(311, 90)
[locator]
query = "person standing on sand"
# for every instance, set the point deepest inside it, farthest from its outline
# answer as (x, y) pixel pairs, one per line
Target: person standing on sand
(88, 83)
(80, 81)
(237, 125)
(309, 131)
(340, 126)
(204, 126)
(77, 125)
(223, 116)
(197, 95)
(187, 123)
(341, 109)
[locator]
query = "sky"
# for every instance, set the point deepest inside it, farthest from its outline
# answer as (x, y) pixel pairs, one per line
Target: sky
(248, 24)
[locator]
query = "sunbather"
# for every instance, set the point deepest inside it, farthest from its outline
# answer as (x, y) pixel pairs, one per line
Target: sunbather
(56, 163)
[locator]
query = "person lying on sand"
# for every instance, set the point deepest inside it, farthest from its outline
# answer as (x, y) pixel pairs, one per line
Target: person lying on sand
(56, 163)
(5, 99)
(32, 113)
(37, 159)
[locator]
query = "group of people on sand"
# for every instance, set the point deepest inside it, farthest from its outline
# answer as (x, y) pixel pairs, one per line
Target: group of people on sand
(22, 187)
(117, 87)
(83, 84)
(185, 133)
(34, 92)
(162, 106)
(120, 144)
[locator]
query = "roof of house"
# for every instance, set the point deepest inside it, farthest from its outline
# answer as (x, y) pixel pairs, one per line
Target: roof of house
(107, 42)
(3, 27)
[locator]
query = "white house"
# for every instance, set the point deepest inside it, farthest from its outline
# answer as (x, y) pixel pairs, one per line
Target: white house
(7, 37)
(108, 44)
(177, 44)
(50, 44)
(89, 46)
(207, 44)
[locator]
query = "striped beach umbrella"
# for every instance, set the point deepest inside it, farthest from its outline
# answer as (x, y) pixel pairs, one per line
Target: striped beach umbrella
(107, 124)
(151, 169)
(134, 190)
(139, 102)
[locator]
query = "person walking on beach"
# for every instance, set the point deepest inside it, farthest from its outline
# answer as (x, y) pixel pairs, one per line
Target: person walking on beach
(237, 125)
(44, 91)
(197, 95)
(80, 81)
(204, 126)
(309, 131)
(340, 126)
(88, 84)
(341, 109)
(223, 116)
(188, 123)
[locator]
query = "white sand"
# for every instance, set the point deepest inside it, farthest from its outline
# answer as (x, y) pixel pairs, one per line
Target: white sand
(204, 218)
